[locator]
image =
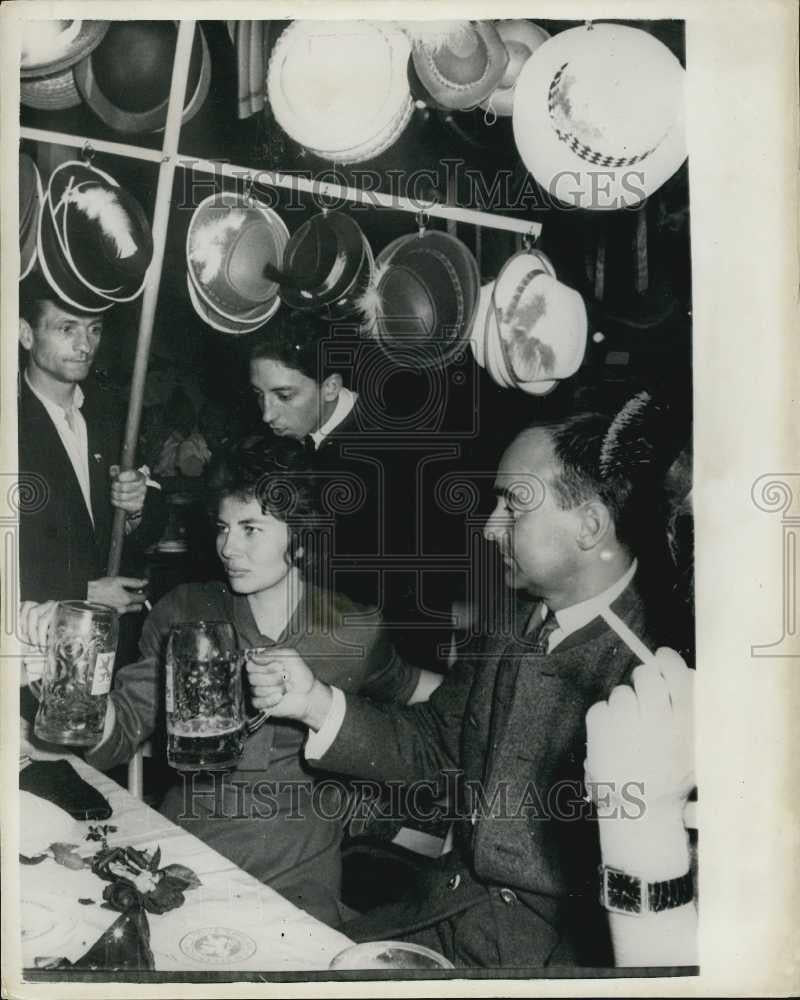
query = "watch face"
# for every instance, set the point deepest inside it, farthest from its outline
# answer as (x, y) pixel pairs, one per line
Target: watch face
(624, 892)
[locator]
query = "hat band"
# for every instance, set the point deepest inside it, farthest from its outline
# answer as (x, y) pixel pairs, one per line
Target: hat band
(578, 147)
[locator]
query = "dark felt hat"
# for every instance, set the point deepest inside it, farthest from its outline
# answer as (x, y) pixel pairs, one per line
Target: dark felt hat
(126, 80)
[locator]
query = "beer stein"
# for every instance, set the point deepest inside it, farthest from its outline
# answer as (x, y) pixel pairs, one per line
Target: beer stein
(204, 699)
(77, 675)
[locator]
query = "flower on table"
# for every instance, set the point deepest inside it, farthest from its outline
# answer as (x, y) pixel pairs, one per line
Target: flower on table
(137, 880)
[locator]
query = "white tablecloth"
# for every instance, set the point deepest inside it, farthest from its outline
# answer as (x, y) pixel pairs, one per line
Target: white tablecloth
(231, 923)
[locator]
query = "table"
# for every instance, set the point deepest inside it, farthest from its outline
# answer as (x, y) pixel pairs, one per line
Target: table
(232, 922)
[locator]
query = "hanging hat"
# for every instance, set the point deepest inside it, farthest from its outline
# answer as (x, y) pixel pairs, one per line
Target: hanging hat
(31, 198)
(328, 266)
(521, 39)
(540, 325)
(126, 80)
(110, 258)
(50, 93)
(598, 116)
(424, 294)
(231, 243)
(339, 88)
(459, 63)
(94, 241)
(50, 46)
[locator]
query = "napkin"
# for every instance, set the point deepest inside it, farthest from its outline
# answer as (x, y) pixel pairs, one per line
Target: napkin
(59, 783)
(125, 945)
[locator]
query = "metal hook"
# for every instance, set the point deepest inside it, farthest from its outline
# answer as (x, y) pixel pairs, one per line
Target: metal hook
(87, 153)
(489, 115)
(529, 240)
(422, 219)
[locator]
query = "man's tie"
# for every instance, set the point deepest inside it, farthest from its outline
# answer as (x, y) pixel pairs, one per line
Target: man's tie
(539, 636)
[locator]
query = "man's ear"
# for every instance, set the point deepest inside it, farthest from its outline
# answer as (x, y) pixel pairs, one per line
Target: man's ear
(331, 387)
(25, 334)
(594, 525)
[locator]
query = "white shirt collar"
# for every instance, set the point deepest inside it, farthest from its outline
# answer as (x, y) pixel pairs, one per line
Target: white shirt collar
(344, 404)
(575, 617)
(56, 410)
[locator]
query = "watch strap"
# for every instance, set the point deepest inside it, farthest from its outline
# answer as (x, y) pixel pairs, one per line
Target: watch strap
(640, 896)
(670, 893)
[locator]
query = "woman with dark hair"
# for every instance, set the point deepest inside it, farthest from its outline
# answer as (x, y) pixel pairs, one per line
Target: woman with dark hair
(269, 815)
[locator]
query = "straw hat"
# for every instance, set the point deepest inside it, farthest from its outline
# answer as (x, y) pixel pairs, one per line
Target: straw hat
(50, 93)
(541, 325)
(339, 88)
(31, 197)
(50, 46)
(521, 39)
(424, 295)
(598, 116)
(231, 244)
(126, 80)
(459, 63)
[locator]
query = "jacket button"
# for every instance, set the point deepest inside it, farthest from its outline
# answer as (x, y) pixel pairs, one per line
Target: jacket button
(454, 882)
(508, 896)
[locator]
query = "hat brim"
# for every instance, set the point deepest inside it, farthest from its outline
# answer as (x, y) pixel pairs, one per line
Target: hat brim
(50, 93)
(27, 247)
(87, 40)
(563, 174)
(152, 120)
(219, 323)
(477, 336)
(56, 271)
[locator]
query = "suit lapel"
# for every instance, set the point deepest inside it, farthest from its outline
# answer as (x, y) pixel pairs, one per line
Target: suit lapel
(44, 448)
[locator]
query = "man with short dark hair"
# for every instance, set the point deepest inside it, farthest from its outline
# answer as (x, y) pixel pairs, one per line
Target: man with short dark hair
(69, 440)
(372, 475)
(507, 725)
(298, 391)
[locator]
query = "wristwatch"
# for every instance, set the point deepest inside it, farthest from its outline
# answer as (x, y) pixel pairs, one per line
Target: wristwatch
(623, 893)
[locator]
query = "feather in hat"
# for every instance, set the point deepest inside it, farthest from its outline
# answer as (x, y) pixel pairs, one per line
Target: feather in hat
(369, 303)
(103, 206)
(208, 243)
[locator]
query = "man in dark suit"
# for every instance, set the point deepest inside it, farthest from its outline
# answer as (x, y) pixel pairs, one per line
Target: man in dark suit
(69, 438)
(505, 732)
(368, 471)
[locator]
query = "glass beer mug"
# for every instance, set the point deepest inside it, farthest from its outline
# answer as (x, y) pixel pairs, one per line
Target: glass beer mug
(76, 678)
(204, 697)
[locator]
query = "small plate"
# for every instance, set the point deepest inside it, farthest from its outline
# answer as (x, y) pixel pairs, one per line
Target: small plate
(218, 945)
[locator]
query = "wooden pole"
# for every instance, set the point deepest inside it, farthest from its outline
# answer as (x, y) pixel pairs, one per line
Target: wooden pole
(166, 174)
